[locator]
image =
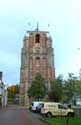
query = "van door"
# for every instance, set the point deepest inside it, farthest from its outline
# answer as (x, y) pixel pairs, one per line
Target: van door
(56, 111)
(62, 110)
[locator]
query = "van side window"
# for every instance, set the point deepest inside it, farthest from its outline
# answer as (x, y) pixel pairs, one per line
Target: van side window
(41, 105)
(61, 107)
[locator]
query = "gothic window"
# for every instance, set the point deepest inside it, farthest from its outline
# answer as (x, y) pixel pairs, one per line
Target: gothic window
(38, 61)
(37, 64)
(37, 38)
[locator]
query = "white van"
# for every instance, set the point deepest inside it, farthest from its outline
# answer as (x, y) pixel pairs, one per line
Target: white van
(56, 109)
(34, 106)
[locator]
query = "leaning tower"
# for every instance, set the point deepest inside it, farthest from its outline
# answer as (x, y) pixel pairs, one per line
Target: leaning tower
(37, 55)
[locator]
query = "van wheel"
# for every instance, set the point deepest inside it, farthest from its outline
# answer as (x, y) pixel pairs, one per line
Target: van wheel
(70, 114)
(49, 114)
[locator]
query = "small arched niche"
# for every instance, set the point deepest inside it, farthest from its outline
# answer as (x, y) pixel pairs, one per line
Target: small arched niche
(37, 60)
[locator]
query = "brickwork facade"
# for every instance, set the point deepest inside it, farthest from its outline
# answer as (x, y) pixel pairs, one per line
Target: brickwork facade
(37, 56)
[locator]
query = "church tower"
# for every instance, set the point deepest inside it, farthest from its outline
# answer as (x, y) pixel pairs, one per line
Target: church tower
(37, 55)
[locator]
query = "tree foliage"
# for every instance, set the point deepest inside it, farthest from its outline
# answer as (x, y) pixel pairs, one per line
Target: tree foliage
(12, 91)
(60, 89)
(55, 93)
(65, 90)
(38, 88)
(70, 87)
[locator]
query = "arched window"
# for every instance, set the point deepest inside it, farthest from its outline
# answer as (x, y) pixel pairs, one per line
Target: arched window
(37, 60)
(37, 64)
(37, 38)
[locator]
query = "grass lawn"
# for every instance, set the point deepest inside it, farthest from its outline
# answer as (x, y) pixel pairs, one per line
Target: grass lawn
(63, 120)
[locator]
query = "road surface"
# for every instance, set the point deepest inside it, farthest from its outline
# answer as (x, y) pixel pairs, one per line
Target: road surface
(15, 115)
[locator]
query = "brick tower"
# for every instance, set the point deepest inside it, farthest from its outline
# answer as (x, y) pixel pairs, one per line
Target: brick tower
(37, 55)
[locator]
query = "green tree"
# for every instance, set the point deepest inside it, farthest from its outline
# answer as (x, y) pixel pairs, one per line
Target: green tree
(70, 87)
(56, 91)
(38, 88)
(78, 89)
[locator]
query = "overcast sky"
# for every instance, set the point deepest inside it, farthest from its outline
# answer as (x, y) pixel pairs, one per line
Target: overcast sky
(64, 17)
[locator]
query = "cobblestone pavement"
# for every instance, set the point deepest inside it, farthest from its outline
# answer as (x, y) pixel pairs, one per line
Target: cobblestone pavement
(15, 115)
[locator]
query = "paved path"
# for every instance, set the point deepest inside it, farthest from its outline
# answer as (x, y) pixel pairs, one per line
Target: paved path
(15, 115)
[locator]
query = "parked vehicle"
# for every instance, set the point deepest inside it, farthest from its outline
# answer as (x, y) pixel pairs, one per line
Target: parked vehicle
(39, 107)
(67, 105)
(35, 106)
(56, 109)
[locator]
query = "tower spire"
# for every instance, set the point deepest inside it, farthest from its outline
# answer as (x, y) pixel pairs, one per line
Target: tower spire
(37, 27)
